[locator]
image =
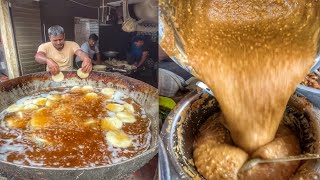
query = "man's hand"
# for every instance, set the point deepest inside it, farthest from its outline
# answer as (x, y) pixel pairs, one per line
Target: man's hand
(53, 67)
(86, 61)
(86, 65)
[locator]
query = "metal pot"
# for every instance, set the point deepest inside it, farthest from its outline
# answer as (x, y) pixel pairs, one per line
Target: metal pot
(145, 95)
(184, 122)
(110, 54)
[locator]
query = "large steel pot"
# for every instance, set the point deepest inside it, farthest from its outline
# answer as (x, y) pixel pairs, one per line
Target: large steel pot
(145, 95)
(184, 122)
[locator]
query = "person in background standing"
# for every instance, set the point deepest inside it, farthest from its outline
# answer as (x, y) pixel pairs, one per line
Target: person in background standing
(58, 54)
(91, 48)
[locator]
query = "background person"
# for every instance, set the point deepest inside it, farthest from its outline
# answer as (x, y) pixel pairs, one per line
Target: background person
(91, 48)
(138, 53)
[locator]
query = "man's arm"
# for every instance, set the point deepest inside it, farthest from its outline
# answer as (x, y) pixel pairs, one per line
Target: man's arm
(98, 58)
(41, 58)
(98, 61)
(86, 61)
(144, 57)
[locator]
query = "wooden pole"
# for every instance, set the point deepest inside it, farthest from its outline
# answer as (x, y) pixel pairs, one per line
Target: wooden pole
(7, 35)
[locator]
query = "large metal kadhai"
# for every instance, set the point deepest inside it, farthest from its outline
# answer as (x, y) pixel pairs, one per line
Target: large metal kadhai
(184, 122)
(147, 96)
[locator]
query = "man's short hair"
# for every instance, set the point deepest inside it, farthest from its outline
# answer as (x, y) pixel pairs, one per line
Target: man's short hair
(55, 30)
(93, 37)
(138, 38)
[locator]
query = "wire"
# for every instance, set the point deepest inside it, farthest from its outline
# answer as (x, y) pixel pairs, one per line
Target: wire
(83, 4)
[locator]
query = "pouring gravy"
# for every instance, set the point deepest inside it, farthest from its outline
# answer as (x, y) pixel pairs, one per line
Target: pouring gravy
(252, 54)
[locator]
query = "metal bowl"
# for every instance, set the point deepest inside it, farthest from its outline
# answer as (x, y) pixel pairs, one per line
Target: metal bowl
(110, 54)
(184, 122)
(144, 94)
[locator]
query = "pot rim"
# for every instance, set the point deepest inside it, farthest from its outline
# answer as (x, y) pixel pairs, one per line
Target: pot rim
(149, 151)
(167, 137)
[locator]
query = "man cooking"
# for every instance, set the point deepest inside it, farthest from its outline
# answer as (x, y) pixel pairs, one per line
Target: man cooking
(58, 54)
(138, 52)
(91, 48)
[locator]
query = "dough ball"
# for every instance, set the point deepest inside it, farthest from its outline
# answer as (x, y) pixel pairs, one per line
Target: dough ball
(108, 91)
(129, 108)
(87, 89)
(115, 107)
(58, 77)
(75, 89)
(40, 101)
(111, 123)
(81, 74)
(14, 108)
(126, 117)
(118, 139)
(91, 96)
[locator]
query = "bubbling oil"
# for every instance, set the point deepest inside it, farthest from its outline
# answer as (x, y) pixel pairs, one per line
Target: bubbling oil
(70, 128)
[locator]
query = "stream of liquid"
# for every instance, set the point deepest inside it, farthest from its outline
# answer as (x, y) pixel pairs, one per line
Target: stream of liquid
(252, 54)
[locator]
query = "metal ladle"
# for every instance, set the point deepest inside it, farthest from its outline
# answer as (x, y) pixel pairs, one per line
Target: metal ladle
(253, 162)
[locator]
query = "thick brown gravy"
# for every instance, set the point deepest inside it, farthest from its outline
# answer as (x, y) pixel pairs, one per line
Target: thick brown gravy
(68, 129)
(252, 54)
(216, 157)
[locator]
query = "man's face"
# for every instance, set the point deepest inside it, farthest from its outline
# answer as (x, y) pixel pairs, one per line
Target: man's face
(92, 42)
(57, 41)
(139, 43)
